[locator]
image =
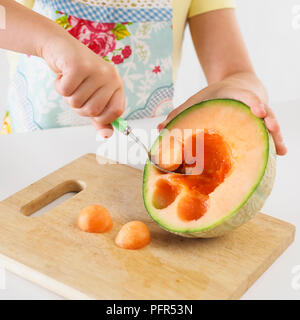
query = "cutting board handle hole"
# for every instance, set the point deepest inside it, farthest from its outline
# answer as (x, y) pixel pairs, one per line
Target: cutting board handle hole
(52, 198)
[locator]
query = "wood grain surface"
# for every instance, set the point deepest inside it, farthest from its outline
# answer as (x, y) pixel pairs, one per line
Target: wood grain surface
(52, 252)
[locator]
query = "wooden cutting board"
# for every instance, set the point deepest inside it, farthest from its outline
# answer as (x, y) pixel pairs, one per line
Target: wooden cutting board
(52, 252)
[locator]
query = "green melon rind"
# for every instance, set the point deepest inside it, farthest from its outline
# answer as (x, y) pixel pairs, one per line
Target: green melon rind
(251, 204)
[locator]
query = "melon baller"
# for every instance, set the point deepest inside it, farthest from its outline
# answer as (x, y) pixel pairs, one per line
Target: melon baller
(122, 126)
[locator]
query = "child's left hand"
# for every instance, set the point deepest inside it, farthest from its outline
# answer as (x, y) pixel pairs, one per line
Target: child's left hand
(243, 87)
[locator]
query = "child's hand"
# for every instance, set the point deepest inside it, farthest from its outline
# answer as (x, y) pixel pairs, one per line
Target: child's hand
(87, 82)
(245, 88)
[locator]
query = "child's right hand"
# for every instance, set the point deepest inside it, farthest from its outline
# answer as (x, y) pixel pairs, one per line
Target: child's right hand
(87, 82)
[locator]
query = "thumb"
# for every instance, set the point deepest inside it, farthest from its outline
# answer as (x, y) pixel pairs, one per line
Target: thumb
(106, 131)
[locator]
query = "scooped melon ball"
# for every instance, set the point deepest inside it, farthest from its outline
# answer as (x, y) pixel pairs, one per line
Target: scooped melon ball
(94, 219)
(213, 164)
(133, 235)
(168, 154)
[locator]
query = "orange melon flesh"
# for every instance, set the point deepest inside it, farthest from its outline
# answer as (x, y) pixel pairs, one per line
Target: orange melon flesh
(238, 173)
(94, 219)
(192, 206)
(164, 194)
(169, 154)
(133, 235)
(217, 164)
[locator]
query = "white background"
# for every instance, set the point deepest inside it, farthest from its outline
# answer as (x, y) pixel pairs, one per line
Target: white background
(272, 33)
(271, 29)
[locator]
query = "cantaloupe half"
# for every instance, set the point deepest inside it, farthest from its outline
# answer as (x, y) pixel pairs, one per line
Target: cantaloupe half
(238, 175)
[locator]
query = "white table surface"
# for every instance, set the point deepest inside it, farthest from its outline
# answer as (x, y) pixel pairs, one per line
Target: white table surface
(25, 158)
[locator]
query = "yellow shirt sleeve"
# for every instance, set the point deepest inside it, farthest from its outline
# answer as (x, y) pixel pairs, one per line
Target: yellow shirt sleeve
(202, 6)
(27, 3)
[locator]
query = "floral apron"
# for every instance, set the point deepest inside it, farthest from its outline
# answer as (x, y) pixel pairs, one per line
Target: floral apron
(133, 35)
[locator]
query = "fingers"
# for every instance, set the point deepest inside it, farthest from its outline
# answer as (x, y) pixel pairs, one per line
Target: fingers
(274, 128)
(102, 102)
(281, 149)
(256, 106)
(272, 124)
(249, 98)
(113, 110)
(266, 113)
(83, 93)
(259, 110)
(89, 84)
(65, 84)
(246, 96)
(91, 95)
(97, 103)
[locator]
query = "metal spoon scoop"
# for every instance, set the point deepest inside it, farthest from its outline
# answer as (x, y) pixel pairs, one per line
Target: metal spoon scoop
(122, 126)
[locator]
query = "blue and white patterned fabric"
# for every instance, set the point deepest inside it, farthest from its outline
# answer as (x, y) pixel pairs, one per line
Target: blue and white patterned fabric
(110, 14)
(138, 40)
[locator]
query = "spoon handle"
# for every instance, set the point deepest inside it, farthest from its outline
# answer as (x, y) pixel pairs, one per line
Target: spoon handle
(121, 125)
